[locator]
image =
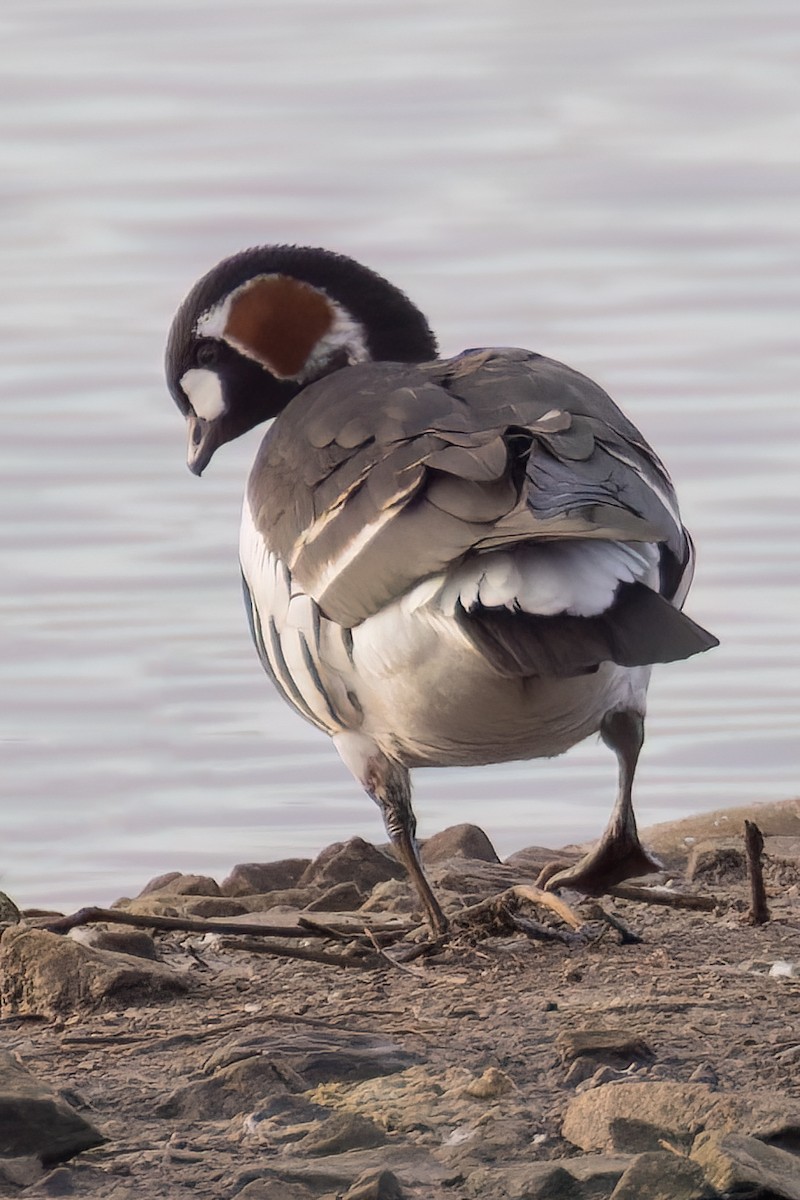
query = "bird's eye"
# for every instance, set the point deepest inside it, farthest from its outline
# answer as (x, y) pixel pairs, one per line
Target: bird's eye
(207, 354)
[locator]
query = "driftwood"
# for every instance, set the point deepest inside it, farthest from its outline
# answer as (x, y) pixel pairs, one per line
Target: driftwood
(360, 943)
(664, 896)
(754, 849)
(488, 909)
(362, 961)
(304, 928)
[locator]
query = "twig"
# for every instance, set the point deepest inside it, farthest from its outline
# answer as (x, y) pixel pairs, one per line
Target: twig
(543, 933)
(420, 950)
(754, 848)
(301, 952)
(385, 936)
(319, 929)
(627, 937)
(664, 896)
(393, 962)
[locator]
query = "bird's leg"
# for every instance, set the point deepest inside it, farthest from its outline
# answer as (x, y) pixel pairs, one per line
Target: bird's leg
(619, 854)
(389, 785)
(394, 800)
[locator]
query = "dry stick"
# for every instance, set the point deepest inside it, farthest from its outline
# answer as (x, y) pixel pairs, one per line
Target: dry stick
(754, 847)
(519, 892)
(384, 936)
(627, 936)
(86, 916)
(392, 962)
(420, 950)
(317, 956)
(538, 895)
(542, 933)
(664, 896)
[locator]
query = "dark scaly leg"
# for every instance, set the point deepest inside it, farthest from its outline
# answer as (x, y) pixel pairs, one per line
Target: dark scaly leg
(391, 790)
(389, 785)
(619, 854)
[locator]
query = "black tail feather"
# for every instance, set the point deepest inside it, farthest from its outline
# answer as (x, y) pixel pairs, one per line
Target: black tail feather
(640, 628)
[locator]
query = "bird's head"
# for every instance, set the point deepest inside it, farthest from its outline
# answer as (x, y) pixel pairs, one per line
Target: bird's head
(261, 325)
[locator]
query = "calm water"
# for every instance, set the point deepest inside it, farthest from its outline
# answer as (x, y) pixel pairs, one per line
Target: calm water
(614, 185)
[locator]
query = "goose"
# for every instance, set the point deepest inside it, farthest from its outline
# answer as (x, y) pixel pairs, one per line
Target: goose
(445, 561)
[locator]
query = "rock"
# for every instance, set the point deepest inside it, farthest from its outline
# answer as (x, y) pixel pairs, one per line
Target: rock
(36, 1121)
(780, 818)
(275, 1189)
(57, 1183)
(528, 864)
(295, 898)
(491, 1083)
(661, 1175)
(212, 906)
(590, 1175)
(577, 1076)
(413, 1166)
(472, 878)
(315, 1058)
(742, 1165)
(178, 884)
(458, 841)
(588, 1050)
(392, 896)
(636, 1117)
(342, 897)
(175, 904)
(355, 861)
(531, 859)
(160, 883)
(251, 879)
(375, 1185)
(9, 913)
(598, 1172)
(279, 1119)
(136, 942)
(534, 1181)
(704, 1073)
(20, 1171)
(783, 849)
(343, 1131)
(774, 1118)
(721, 860)
(608, 1047)
(44, 974)
(232, 1089)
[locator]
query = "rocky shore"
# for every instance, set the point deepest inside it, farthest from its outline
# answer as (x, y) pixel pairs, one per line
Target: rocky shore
(653, 1053)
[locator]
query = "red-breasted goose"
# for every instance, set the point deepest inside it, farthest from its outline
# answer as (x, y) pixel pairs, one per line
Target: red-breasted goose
(445, 561)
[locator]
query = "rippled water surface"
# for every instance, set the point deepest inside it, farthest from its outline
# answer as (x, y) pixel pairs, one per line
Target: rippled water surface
(615, 185)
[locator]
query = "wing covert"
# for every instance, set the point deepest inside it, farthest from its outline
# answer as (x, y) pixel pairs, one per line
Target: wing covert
(390, 473)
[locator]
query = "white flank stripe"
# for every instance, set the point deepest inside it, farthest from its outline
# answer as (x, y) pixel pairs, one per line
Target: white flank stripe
(278, 600)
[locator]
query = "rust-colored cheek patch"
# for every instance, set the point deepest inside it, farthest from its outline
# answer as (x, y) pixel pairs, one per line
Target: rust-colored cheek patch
(278, 321)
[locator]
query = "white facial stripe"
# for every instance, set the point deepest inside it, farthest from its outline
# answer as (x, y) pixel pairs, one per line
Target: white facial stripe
(204, 390)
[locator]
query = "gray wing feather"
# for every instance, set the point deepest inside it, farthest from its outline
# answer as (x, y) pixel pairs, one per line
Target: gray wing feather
(383, 474)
